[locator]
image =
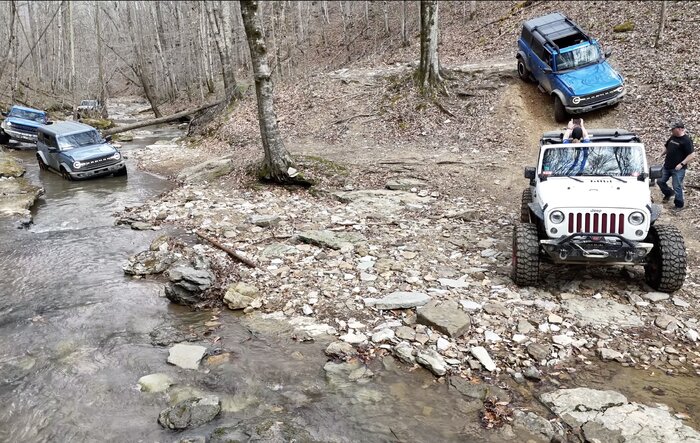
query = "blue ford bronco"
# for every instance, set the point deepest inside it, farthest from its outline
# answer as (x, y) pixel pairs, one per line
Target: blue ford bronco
(20, 124)
(567, 64)
(77, 151)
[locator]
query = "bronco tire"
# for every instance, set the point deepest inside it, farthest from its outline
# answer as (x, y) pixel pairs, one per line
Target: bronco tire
(526, 255)
(65, 174)
(4, 138)
(43, 166)
(523, 72)
(121, 172)
(666, 263)
(524, 208)
(560, 114)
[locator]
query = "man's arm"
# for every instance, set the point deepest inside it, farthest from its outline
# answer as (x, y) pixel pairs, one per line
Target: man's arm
(688, 158)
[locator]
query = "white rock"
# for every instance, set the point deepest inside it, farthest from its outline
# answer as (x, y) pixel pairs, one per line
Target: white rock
(655, 296)
(692, 335)
(554, 318)
(451, 283)
(484, 358)
(186, 356)
(354, 324)
(519, 338)
(554, 328)
(367, 277)
(383, 335)
(469, 305)
(307, 310)
(680, 302)
(544, 327)
(442, 344)
(155, 382)
(563, 340)
(354, 339)
(491, 337)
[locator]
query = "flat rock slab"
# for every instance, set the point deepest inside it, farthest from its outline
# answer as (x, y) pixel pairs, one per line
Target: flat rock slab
(608, 416)
(405, 183)
(446, 317)
(381, 202)
(17, 196)
(602, 312)
(190, 413)
(331, 239)
(186, 356)
(10, 167)
(399, 300)
(208, 171)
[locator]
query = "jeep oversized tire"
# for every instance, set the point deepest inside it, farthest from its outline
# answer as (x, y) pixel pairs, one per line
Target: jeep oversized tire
(666, 263)
(526, 255)
(560, 114)
(524, 208)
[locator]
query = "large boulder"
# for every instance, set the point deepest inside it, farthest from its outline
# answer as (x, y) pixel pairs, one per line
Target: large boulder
(188, 284)
(148, 262)
(10, 167)
(190, 413)
(208, 171)
(445, 317)
(240, 295)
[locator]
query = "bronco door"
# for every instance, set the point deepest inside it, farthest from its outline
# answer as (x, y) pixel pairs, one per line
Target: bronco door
(541, 65)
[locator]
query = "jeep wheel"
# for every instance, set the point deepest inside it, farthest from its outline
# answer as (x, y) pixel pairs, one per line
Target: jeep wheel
(4, 138)
(121, 172)
(665, 268)
(523, 72)
(65, 174)
(43, 166)
(560, 114)
(524, 208)
(526, 255)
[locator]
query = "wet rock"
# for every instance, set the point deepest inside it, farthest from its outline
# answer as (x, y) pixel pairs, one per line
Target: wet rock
(208, 171)
(166, 335)
(484, 358)
(10, 167)
(404, 352)
(539, 351)
(655, 296)
(383, 335)
(17, 196)
(155, 382)
(340, 349)
(141, 226)
(536, 425)
(187, 284)
(190, 413)
(193, 439)
(433, 361)
(532, 373)
(399, 300)
(264, 221)
(405, 183)
(602, 312)
(340, 373)
(186, 356)
(261, 429)
(148, 262)
(608, 416)
(445, 317)
(331, 239)
(240, 296)
(478, 391)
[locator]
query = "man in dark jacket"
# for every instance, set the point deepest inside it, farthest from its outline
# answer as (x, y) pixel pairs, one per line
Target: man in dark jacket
(679, 152)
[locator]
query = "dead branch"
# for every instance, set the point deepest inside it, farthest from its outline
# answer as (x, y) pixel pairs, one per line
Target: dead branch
(443, 109)
(157, 121)
(345, 120)
(229, 251)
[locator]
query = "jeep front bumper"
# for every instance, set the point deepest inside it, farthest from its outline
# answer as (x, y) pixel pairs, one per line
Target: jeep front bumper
(575, 109)
(98, 172)
(20, 136)
(596, 248)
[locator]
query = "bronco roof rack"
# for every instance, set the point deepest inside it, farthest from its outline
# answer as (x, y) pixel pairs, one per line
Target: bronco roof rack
(596, 135)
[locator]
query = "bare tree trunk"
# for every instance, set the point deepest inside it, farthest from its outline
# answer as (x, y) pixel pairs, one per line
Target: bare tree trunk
(100, 62)
(404, 29)
(385, 8)
(35, 54)
(662, 23)
(277, 163)
(204, 49)
(11, 39)
(170, 89)
(71, 39)
(216, 28)
(324, 8)
(14, 47)
(429, 70)
(472, 9)
(139, 65)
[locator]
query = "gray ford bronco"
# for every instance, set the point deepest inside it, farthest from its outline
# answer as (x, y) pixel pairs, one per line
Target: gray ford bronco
(590, 203)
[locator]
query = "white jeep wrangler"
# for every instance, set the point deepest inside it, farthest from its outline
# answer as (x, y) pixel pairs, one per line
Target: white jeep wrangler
(590, 203)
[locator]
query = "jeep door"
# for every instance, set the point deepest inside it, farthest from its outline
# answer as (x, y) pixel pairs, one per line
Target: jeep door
(541, 61)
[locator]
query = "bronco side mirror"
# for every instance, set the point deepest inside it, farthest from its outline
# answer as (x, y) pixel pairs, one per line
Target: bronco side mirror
(655, 172)
(608, 54)
(4, 114)
(108, 138)
(547, 70)
(529, 172)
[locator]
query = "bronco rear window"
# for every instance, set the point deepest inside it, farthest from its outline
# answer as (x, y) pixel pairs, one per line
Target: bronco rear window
(586, 160)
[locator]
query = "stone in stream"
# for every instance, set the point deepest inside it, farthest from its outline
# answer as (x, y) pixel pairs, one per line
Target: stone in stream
(240, 295)
(261, 429)
(446, 317)
(340, 349)
(148, 262)
(433, 361)
(186, 356)
(484, 358)
(155, 382)
(190, 413)
(404, 352)
(188, 284)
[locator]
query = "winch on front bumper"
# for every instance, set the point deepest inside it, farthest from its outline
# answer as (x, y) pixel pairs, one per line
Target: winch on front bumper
(596, 248)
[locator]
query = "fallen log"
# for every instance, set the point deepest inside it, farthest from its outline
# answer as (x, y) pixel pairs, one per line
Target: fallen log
(229, 251)
(156, 121)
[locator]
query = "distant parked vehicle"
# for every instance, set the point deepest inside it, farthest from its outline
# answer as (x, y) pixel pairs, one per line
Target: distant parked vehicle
(21, 123)
(89, 109)
(77, 151)
(567, 64)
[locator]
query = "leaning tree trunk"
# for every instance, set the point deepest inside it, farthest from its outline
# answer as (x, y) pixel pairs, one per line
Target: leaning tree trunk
(100, 64)
(429, 70)
(662, 22)
(277, 163)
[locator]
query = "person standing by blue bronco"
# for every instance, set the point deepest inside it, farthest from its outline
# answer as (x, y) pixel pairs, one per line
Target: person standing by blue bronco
(679, 152)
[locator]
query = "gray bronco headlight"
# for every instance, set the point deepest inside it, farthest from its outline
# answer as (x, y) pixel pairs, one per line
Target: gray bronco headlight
(77, 165)
(116, 156)
(556, 217)
(636, 218)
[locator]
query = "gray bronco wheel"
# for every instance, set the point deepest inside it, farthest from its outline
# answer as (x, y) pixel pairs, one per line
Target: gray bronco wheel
(524, 208)
(666, 263)
(526, 255)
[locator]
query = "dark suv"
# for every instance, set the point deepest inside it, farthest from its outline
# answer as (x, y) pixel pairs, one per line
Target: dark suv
(77, 151)
(567, 64)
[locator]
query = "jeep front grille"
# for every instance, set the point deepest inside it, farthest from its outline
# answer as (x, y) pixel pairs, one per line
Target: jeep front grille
(596, 223)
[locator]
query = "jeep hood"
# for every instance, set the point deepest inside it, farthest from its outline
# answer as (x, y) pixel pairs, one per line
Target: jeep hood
(23, 121)
(591, 79)
(92, 152)
(594, 192)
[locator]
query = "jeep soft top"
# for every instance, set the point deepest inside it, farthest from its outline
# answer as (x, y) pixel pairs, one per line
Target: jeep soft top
(596, 135)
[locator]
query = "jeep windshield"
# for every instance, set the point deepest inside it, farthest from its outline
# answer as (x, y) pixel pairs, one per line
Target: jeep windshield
(88, 103)
(579, 57)
(27, 115)
(585, 160)
(78, 140)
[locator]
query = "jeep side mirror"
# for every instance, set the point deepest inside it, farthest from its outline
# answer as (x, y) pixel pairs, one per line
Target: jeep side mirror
(655, 172)
(530, 172)
(108, 138)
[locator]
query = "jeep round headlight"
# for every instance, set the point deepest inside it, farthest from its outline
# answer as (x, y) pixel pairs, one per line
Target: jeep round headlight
(77, 165)
(116, 156)
(636, 218)
(556, 217)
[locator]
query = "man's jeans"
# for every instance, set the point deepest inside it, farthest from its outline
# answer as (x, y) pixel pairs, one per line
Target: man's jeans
(677, 182)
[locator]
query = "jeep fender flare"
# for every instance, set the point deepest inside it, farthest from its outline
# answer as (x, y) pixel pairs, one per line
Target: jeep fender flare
(537, 210)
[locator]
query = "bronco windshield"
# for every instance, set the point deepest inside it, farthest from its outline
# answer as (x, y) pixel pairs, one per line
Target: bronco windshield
(27, 115)
(585, 160)
(88, 138)
(582, 56)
